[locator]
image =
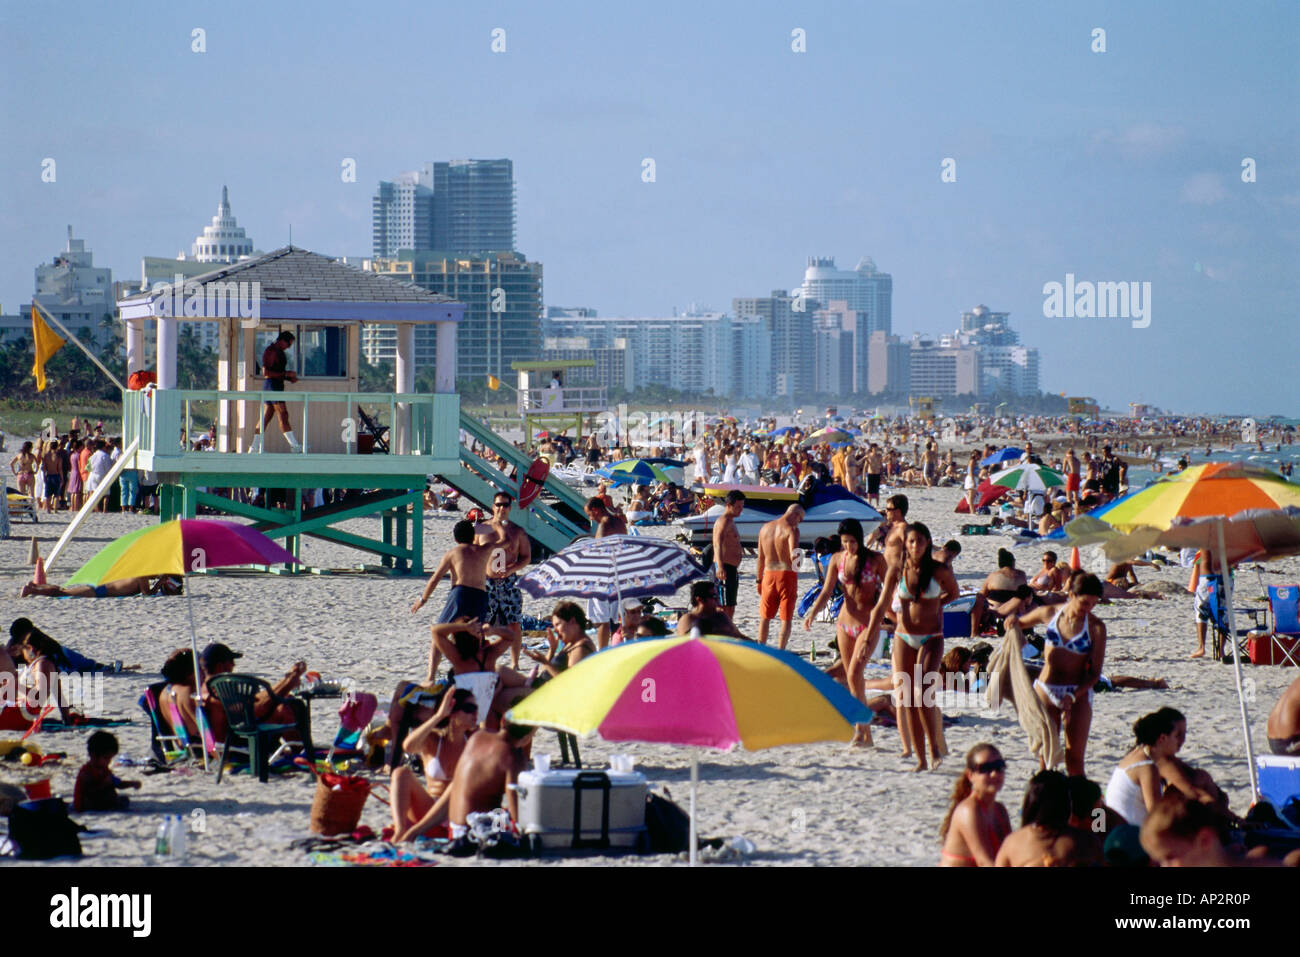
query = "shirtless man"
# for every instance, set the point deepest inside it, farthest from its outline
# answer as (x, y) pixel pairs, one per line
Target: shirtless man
(490, 762)
(1283, 727)
(726, 550)
(930, 464)
(706, 614)
(890, 535)
(875, 464)
(778, 583)
(603, 523)
(1072, 480)
(509, 551)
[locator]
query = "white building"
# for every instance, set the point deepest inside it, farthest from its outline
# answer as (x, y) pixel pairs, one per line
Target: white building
(223, 240)
(75, 292)
(865, 289)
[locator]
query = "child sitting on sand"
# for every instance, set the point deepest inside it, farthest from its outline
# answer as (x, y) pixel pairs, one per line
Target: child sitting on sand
(96, 788)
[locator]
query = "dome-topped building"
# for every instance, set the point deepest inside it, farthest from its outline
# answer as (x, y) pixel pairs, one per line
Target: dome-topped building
(223, 241)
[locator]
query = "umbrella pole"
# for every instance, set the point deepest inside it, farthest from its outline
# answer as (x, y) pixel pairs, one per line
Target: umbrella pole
(198, 682)
(1236, 664)
(695, 780)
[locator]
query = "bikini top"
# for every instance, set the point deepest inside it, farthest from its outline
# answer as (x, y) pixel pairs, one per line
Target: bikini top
(902, 593)
(1080, 644)
(866, 577)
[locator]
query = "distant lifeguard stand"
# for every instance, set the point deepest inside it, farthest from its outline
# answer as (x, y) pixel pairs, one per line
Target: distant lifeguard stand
(545, 399)
(324, 303)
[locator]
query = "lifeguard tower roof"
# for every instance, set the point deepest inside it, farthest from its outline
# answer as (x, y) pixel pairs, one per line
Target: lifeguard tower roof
(302, 286)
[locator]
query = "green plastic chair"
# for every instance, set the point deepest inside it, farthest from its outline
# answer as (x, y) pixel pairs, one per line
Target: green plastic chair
(237, 694)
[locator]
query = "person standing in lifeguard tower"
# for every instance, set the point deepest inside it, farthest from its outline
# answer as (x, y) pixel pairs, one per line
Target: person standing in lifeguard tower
(275, 374)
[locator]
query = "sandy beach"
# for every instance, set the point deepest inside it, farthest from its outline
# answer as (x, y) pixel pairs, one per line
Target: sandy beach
(821, 804)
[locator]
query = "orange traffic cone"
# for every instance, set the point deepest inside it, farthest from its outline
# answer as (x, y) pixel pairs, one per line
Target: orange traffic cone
(1074, 558)
(34, 552)
(39, 577)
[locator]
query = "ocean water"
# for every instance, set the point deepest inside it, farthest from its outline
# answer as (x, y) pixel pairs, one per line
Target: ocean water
(1139, 473)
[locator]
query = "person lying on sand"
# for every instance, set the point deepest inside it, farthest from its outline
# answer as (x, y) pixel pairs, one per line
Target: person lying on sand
(166, 585)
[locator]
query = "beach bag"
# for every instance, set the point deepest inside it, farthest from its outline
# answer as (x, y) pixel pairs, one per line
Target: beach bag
(336, 808)
(42, 830)
(668, 827)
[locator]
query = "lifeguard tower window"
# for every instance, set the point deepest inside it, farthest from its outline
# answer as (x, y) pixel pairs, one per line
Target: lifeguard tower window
(319, 352)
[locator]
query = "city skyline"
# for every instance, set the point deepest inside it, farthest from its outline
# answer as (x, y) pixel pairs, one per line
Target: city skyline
(1119, 166)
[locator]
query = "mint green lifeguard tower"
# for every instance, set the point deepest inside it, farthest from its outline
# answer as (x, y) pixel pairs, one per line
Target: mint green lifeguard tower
(325, 304)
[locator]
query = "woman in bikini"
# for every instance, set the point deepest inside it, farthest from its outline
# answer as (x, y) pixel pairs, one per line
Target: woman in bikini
(473, 660)
(916, 592)
(439, 742)
(1135, 785)
(23, 465)
(858, 571)
(1073, 652)
(976, 823)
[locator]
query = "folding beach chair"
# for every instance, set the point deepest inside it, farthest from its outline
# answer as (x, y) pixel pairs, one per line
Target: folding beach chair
(1284, 610)
(370, 427)
(1219, 623)
(22, 507)
(169, 747)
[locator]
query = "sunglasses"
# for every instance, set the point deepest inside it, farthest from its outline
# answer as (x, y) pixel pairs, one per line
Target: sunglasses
(990, 767)
(500, 504)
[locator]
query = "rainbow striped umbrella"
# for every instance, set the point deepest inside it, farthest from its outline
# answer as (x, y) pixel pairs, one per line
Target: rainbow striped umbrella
(1219, 506)
(178, 548)
(699, 692)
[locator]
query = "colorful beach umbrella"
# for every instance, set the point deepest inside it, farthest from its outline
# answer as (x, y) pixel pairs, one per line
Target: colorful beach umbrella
(986, 495)
(783, 431)
(1029, 477)
(699, 692)
(641, 472)
(182, 547)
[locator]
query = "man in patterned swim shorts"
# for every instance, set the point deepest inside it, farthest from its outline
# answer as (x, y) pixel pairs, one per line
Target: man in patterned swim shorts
(511, 551)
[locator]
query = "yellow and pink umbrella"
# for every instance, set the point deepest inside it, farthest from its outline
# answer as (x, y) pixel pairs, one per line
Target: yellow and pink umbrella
(699, 692)
(182, 547)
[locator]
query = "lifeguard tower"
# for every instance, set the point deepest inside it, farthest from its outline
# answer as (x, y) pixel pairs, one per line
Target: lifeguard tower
(325, 304)
(545, 400)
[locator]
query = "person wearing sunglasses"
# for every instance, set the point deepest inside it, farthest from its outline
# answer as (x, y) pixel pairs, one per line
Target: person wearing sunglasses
(511, 551)
(438, 743)
(976, 823)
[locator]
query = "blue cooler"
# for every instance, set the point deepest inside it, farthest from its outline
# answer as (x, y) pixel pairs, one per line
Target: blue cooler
(1279, 778)
(956, 617)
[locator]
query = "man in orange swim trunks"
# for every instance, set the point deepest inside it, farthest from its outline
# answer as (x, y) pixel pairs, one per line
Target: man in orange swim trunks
(778, 584)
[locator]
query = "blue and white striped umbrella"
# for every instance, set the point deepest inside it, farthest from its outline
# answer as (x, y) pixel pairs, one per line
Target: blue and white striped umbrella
(613, 567)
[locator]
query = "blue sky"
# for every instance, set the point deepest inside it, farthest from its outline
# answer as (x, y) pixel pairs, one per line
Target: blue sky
(1114, 166)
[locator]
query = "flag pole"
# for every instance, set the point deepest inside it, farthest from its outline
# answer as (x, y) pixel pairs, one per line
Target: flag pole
(68, 336)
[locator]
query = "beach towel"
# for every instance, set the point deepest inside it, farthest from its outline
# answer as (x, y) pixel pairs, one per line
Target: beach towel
(1009, 681)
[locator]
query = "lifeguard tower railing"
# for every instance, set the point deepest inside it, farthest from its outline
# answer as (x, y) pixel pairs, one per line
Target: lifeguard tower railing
(423, 438)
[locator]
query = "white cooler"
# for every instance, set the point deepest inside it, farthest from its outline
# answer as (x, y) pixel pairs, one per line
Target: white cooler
(572, 808)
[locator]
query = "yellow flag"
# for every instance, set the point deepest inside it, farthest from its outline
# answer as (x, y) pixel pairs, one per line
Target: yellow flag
(47, 343)
(494, 383)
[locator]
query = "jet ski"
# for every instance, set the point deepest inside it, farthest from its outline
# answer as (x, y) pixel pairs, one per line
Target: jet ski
(825, 506)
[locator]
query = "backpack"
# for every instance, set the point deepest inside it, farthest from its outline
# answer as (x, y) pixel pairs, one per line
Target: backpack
(42, 830)
(668, 827)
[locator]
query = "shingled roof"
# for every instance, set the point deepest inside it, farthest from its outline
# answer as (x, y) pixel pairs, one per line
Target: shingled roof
(298, 275)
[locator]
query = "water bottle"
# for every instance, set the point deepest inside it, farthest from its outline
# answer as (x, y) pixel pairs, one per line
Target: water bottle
(162, 841)
(178, 840)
